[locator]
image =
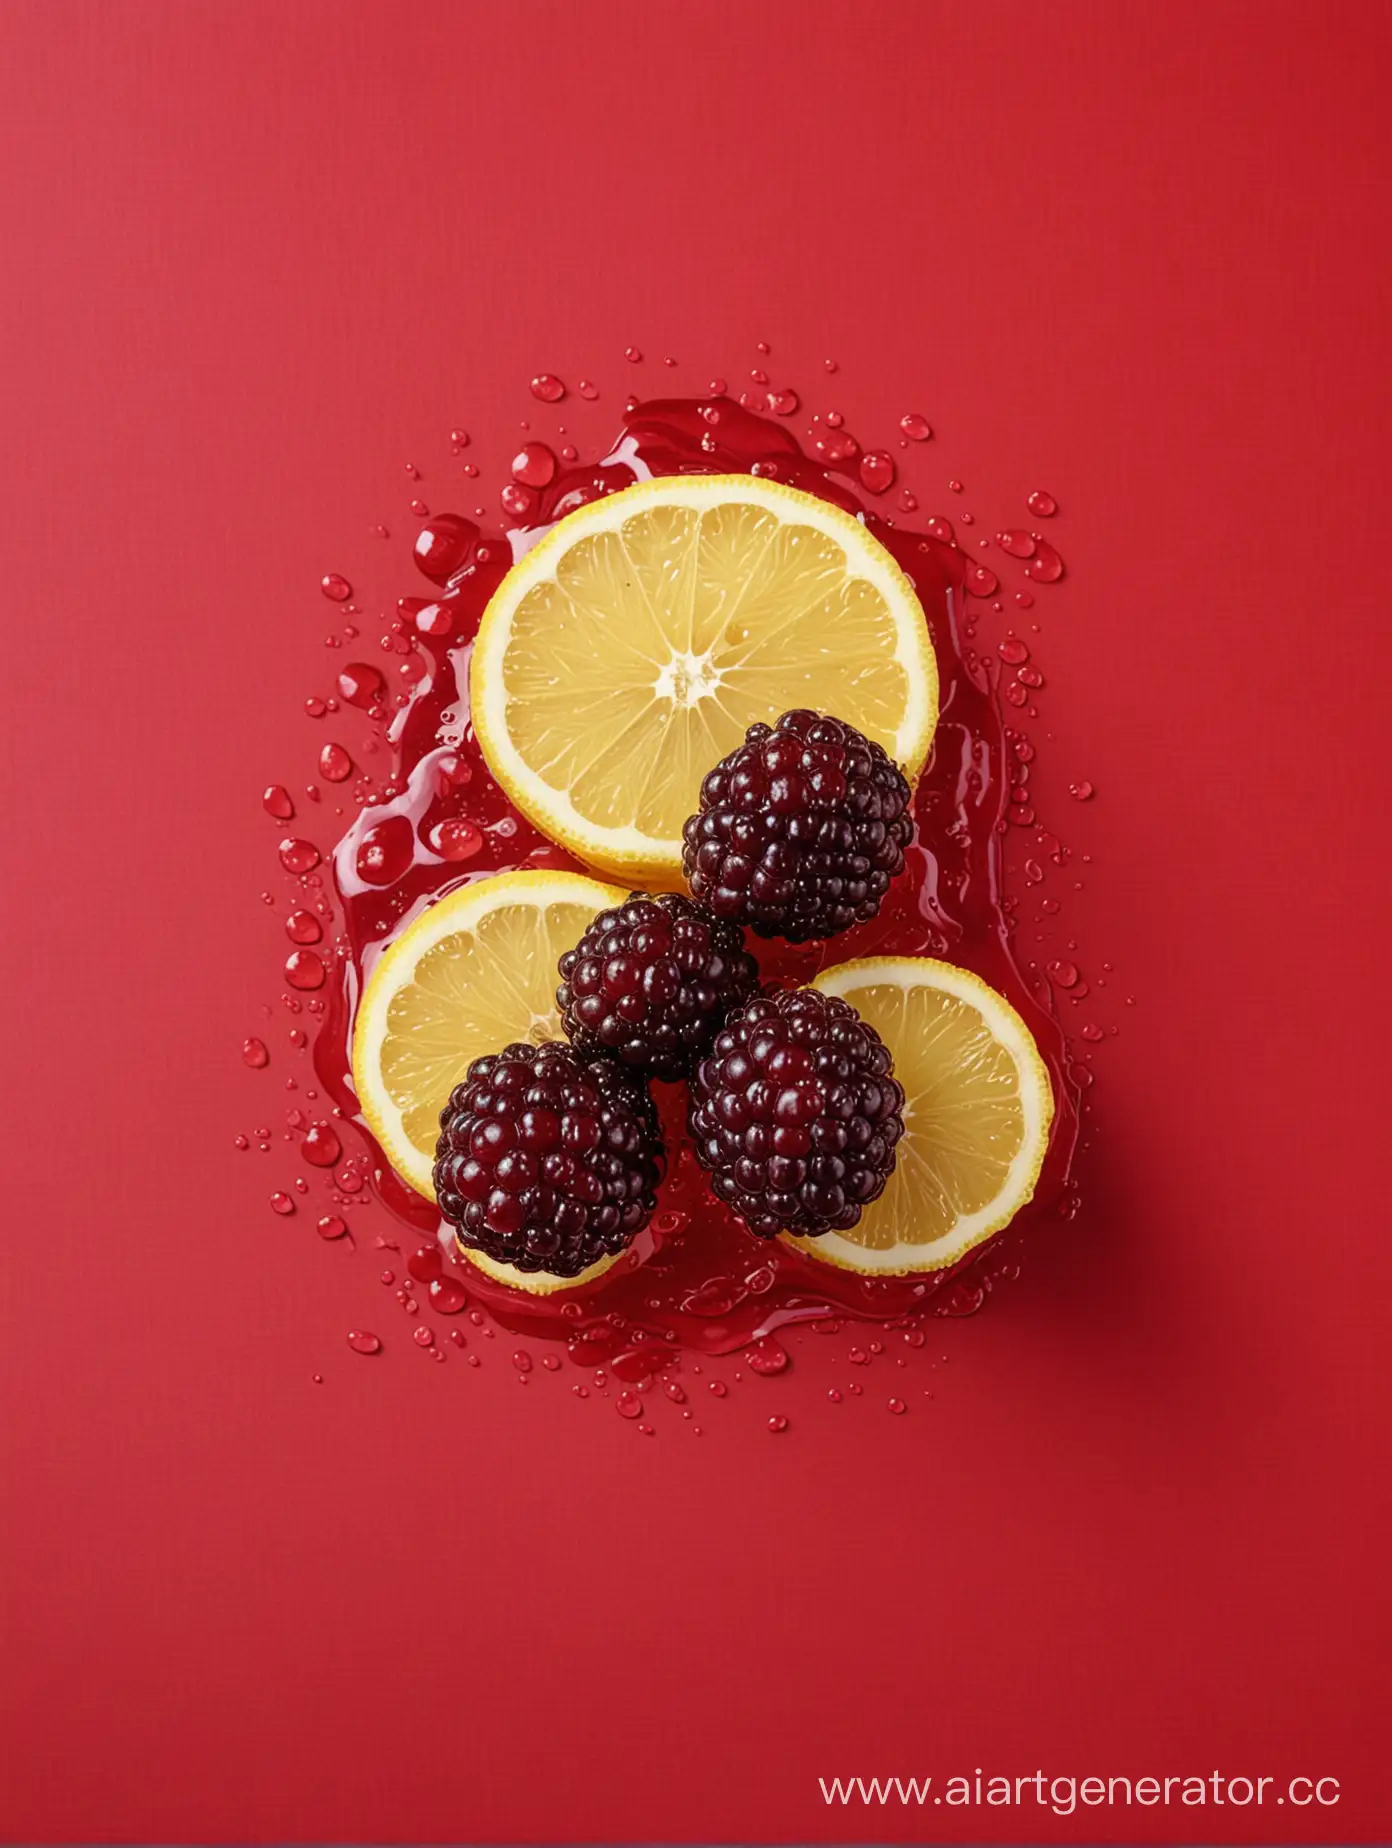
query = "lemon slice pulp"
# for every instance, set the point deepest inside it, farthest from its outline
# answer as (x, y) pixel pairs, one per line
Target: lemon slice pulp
(628, 652)
(471, 975)
(978, 1105)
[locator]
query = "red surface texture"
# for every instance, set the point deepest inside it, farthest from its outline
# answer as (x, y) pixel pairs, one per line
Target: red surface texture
(257, 257)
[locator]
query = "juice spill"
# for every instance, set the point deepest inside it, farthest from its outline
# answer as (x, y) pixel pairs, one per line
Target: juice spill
(431, 819)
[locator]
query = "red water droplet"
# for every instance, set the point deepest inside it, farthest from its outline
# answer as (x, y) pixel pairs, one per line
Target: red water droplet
(303, 927)
(425, 1262)
(719, 1389)
(337, 589)
(941, 529)
(298, 856)
(315, 708)
(632, 355)
(1015, 652)
(1018, 544)
(362, 685)
(534, 465)
(423, 1336)
(1046, 567)
(522, 1360)
(276, 801)
(915, 426)
(444, 545)
(1063, 974)
(981, 582)
(767, 1357)
(321, 1147)
(517, 500)
(877, 471)
(331, 1226)
(1092, 1033)
(434, 618)
(460, 438)
(1081, 792)
(836, 447)
(386, 851)
(282, 1203)
(783, 403)
(898, 1407)
(455, 840)
(335, 765)
(628, 1405)
(254, 1054)
(447, 1295)
(362, 1342)
(587, 389)
(778, 1423)
(1042, 504)
(304, 969)
(548, 388)
(1016, 694)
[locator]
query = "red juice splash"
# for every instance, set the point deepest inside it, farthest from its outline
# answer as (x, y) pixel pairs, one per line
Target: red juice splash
(696, 1278)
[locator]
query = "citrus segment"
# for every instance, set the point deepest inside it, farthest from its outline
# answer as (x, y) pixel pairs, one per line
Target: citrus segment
(629, 651)
(977, 1110)
(473, 974)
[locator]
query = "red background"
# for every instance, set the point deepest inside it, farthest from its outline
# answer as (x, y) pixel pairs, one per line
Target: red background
(256, 257)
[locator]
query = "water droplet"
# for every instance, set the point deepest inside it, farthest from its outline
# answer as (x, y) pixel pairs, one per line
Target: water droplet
(361, 685)
(915, 427)
(331, 1226)
(1030, 677)
(898, 1407)
(1018, 544)
(443, 547)
(298, 856)
(1081, 792)
(423, 1336)
(276, 801)
(675, 1392)
(632, 355)
(254, 1053)
(385, 851)
(719, 1389)
(1046, 567)
(858, 1357)
(282, 1203)
(628, 1405)
(835, 447)
(587, 389)
(337, 589)
(321, 1147)
(833, 1395)
(315, 708)
(783, 403)
(455, 840)
(1092, 1033)
(1015, 652)
(522, 1360)
(767, 1357)
(1042, 504)
(877, 471)
(941, 529)
(517, 500)
(304, 969)
(981, 582)
(447, 1295)
(362, 1342)
(777, 1423)
(303, 927)
(548, 388)
(534, 465)
(335, 765)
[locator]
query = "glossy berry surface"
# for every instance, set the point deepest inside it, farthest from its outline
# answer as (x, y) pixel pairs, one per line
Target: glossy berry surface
(545, 1162)
(800, 830)
(795, 1113)
(651, 982)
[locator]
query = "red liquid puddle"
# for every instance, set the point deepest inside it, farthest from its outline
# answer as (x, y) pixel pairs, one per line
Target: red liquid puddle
(434, 819)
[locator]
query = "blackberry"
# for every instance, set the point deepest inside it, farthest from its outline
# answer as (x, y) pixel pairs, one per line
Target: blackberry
(800, 830)
(651, 982)
(546, 1163)
(795, 1113)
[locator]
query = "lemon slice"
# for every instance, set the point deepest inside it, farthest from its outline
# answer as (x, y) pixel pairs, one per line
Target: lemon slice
(629, 650)
(977, 1110)
(470, 976)
(537, 1283)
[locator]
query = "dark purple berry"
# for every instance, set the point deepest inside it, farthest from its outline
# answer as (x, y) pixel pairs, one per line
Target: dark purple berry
(800, 830)
(546, 1163)
(795, 1113)
(651, 982)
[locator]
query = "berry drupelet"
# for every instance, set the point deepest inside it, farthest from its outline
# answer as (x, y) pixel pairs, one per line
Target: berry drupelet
(651, 982)
(800, 830)
(795, 1113)
(546, 1163)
